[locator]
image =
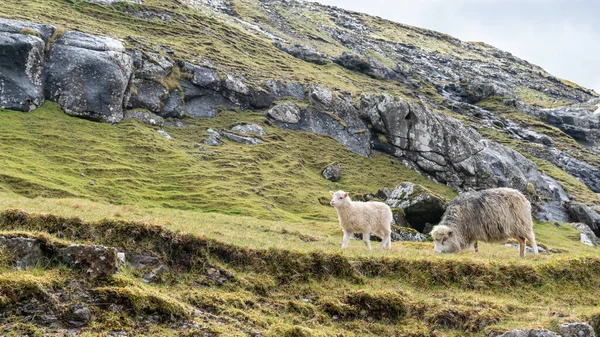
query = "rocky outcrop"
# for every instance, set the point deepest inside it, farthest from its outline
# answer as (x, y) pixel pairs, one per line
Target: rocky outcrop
(24, 252)
(419, 205)
(585, 214)
(88, 75)
(367, 66)
(21, 64)
(576, 121)
(304, 53)
(587, 236)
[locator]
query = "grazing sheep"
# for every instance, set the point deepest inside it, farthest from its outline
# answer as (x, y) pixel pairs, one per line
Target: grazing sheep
(363, 217)
(492, 215)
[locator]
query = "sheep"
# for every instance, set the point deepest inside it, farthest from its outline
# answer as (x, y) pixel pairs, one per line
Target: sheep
(492, 215)
(363, 217)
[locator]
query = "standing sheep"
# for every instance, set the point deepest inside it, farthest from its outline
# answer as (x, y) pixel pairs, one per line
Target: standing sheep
(492, 215)
(363, 217)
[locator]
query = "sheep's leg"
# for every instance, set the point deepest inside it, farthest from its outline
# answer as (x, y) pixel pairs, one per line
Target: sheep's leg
(367, 239)
(474, 246)
(386, 239)
(347, 235)
(531, 239)
(521, 246)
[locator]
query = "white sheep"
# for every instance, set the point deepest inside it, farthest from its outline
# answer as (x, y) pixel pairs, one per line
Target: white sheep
(363, 217)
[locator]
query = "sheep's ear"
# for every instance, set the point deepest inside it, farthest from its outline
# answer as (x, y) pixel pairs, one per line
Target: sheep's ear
(450, 233)
(331, 192)
(345, 195)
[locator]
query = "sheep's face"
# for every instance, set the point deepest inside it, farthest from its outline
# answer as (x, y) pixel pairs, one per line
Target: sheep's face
(444, 239)
(338, 198)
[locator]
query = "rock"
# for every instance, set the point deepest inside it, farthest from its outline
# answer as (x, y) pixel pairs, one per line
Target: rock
(285, 113)
(367, 66)
(332, 172)
(112, 2)
(205, 77)
(219, 277)
(79, 316)
(305, 53)
(96, 261)
(585, 214)
(148, 95)
(207, 106)
(588, 237)
(442, 148)
(173, 105)
(155, 274)
(384, 193)
(583, 238)
(165, 134)
(320, 98)
(141, 261)
(575, 121)
(213, 138)
(241, 139)
(150, 66)
(471, 93)
(579, 329)
(87, 76)
(531, 136)
(407, 234)
(343, 124)
(420, 206)
(21, 65)
(23, 252)
(249, 129)
(528, 249)
(16, 27)
(122, 259)
(145, 117)
(529, 333)
(281, 90)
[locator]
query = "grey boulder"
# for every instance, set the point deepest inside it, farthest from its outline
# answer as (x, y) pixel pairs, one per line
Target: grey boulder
(585, 214)
(241, 139)
(16, 26)
(147, 95)
(287, 112)
(305, 53)
(23, 252)
(367, 66)
(96, 261)
(88, 75)
(578, 329)
(280, 89)
(528, 333)
(21, 66)
(249, 129)
(332, 172)
(145, 117)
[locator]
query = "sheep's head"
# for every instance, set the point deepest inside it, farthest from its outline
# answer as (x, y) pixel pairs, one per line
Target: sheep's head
(444, 239)
(339, 198)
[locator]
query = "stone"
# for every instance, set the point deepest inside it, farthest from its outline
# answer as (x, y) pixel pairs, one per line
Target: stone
(87, 76)
(249, 129)
(287, 112)
(407, 234)
(578, 329)
(96, 261)
(367, 66)
(23, 252)
(79, 316)
(320, 97)
(528, 249)
(588, 237)
(528, 333)
(148, 95)
(16, 26)
(384, 193)
(207, 106)
(206, 77)
(150, 66)
(241, 139)
(585, 214)
(165, 134)
(173, 105)
(280, 89)
(420, 206)
(155, 274)
(21, 66)
(141, 261)
(332, 172)
(145, 117)
(213, 138)
(305, 53)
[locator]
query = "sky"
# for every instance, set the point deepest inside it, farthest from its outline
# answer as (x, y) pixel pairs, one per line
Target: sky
(561, 36)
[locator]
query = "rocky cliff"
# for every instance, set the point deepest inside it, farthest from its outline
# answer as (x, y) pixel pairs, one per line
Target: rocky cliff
(464, 114)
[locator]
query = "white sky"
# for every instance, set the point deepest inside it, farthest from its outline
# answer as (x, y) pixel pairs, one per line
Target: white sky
(561, 36)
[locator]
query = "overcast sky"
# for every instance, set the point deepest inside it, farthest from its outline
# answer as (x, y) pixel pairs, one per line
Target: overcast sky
(561, 36)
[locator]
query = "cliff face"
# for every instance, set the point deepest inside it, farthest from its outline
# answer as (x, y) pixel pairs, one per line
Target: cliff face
(463, 114)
